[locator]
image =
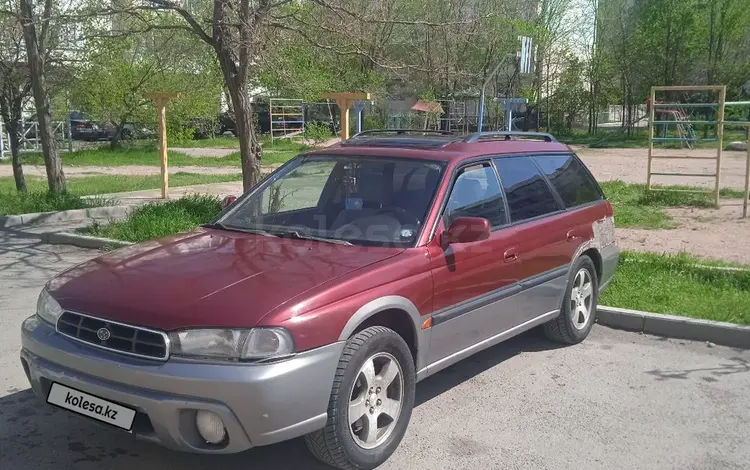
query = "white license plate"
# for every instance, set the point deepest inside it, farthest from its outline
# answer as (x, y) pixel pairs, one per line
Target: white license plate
(92, 406)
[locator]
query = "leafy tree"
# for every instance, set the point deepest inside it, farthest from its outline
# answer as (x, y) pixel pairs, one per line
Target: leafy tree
(570, 97)
(120, 69)
(37, 21)
(15, 87)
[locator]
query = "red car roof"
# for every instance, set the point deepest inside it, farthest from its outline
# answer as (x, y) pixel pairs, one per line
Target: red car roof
(453, 151)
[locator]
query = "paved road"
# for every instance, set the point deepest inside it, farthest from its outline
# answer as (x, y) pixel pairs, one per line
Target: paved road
(617, 401)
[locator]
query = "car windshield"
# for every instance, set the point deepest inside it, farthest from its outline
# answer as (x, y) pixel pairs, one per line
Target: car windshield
(377, 201)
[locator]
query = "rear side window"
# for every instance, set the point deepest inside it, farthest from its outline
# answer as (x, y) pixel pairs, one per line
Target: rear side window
(527, 192)
(570, 179)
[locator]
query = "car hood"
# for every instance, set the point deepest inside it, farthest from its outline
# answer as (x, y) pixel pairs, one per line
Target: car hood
(209, 278)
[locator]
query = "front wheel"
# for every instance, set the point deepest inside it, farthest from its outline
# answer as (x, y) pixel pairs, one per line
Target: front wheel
(578, 310)
(370, 404)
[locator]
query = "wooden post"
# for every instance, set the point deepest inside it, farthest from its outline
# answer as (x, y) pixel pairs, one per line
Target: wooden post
(161, 100)
(345, 102)
(747, 176)
(650, 135)
(161, 113)
(720, 140)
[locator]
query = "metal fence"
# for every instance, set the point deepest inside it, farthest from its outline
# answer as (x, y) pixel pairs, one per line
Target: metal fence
(29, 137)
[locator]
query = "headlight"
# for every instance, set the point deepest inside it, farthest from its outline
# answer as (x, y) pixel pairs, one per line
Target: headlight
(47, 308)
(256, 343)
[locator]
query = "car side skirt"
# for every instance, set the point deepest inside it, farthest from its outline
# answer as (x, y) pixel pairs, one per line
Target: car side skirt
(447, 361)
(468, 327)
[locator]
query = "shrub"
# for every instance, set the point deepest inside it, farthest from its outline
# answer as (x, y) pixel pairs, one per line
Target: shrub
(318, 133)
(25, 203)
(157, 220)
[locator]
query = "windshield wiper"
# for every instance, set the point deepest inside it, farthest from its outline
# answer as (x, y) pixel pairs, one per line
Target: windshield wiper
(300, 236)
(254, 231)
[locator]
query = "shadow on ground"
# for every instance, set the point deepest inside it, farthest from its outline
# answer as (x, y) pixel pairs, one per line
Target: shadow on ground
(709, 374)
(55, 437)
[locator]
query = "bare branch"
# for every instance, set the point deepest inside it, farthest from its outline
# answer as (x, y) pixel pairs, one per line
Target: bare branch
(46, 19)
(194, 25)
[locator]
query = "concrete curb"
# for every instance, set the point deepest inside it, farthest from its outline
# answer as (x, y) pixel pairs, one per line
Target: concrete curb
(82, 241)
(107, 212)
(727, 334)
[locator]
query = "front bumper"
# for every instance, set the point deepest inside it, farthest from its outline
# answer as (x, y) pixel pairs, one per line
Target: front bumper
(260, 404)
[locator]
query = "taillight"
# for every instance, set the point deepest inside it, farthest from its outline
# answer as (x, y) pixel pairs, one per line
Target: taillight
(609, 211)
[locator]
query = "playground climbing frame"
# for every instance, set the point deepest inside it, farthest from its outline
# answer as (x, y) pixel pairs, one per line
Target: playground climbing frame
(685, 131)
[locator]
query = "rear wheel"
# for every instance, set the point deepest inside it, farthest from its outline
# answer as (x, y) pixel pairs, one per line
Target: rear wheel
(578, 310)
(370, 404)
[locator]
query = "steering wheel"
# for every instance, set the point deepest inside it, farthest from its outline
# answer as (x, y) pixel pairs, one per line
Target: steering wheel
(403, 216)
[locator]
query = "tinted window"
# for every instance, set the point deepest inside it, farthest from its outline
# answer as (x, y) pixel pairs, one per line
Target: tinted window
(571, 180)
(527, 192)
(476, 193)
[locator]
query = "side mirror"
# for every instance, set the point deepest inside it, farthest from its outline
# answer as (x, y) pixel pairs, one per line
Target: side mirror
(228, 201)
(467, 230)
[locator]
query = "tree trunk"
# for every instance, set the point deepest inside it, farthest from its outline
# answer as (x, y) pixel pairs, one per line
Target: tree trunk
(15, 151)
(249, 148)
(52, 159)
(10, 110)
(115, 142)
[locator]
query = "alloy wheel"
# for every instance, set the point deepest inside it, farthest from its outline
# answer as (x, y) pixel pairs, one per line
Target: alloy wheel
(581, 297)
(376, 400)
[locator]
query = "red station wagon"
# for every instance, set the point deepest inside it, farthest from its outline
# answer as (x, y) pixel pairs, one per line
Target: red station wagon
(313, 304)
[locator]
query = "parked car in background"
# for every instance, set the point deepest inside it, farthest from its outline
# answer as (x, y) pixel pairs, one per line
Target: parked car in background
(132, 130)
(82, 128)
(227, 124)
(201, 127)
(313, 304)
(88, 131)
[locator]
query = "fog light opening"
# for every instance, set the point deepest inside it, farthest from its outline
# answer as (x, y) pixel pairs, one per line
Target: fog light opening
(26, 370)
(210, 427)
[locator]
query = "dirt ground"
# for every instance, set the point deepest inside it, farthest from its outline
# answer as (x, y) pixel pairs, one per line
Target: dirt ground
(630, 166)
(706, 233)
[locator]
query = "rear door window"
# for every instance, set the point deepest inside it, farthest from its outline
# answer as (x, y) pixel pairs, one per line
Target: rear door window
(526, 190)
(476, 193)
(570, 178)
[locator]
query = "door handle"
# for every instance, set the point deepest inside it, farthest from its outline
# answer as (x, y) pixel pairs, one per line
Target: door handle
(571, 235)
(510, 255)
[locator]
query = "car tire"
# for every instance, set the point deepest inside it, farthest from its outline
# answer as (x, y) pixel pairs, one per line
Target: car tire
(578, 310)
(350, 446)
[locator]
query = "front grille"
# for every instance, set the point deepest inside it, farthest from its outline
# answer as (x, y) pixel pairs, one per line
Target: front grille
(126, 339)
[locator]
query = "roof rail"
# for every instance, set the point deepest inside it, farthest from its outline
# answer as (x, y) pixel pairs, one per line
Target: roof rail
(477, 136)
(373, 132)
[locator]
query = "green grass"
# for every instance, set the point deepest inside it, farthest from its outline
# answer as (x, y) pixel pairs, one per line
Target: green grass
(104, 184)
(42, 201)
(605, 139)
(157, 220)
(639, 139)
(636, 208)
(229, 142)
(669, 284)
(149, 156)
